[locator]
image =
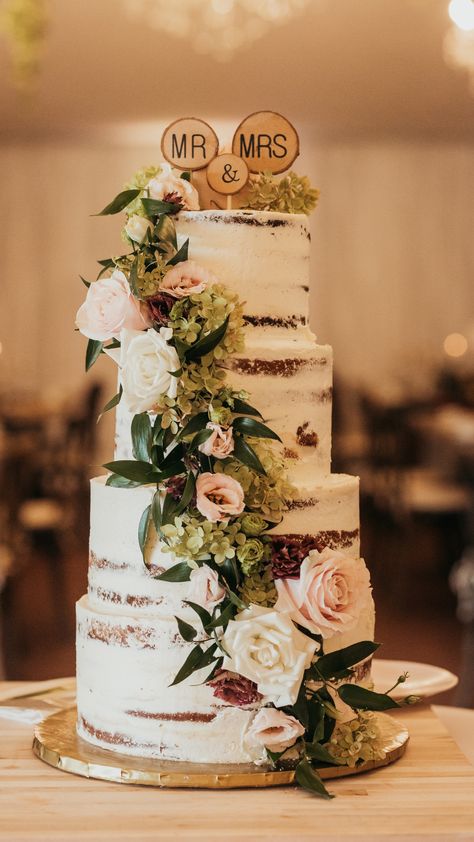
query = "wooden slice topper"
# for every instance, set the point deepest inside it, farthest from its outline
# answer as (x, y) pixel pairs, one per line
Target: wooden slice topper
(189, 143)
(227, 174)
(266, 141)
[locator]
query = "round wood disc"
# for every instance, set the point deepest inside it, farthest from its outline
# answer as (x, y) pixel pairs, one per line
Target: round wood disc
(189, 143)
(266, 141)
(227, 174)
(57, 743)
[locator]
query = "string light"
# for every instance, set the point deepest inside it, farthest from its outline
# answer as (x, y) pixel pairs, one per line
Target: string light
(455, 345)
(461, 13)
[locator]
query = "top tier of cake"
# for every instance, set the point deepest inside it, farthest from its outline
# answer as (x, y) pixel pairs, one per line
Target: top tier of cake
(264, 257)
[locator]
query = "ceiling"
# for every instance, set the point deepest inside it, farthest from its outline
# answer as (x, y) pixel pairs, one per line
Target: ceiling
(346, 69)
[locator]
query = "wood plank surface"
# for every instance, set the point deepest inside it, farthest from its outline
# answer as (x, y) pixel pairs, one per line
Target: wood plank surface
(427, 795)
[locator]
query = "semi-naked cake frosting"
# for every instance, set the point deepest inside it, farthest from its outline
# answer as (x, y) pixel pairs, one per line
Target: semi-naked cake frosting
(129, 649)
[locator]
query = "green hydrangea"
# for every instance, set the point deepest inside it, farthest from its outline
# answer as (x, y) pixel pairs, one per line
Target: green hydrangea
(250, 555)
(193, 538)
(259, 588)
(140, 180)
(253, 525)
(266, 494)
(359, 739)
(291, 194)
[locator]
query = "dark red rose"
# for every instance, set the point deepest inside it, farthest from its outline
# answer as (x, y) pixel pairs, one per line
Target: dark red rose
(160, 306)
(174, 199)
(289, 553)
(175, 487)
(234, 689)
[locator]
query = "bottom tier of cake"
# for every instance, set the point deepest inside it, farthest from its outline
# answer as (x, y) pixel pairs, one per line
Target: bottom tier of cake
(125, 666)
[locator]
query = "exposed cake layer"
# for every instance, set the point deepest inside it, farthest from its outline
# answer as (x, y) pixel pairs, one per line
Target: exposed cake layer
(125, 666)
(118, 578)
(290, 380)
(263, 256)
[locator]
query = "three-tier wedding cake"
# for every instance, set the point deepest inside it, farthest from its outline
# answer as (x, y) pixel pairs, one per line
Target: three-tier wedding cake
(229, 616)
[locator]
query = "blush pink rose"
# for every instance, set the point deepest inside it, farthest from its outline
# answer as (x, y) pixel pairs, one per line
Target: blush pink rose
(330, 593)
(204, 588)
(186, 278)
(219, 496)
(109, 308)
(220, 443)
(273, 729)
(167, 183)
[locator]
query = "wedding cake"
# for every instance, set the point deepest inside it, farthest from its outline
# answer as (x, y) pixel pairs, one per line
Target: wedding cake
(229, 616)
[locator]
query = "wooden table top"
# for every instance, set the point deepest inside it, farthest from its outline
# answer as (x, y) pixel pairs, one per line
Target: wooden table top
(428, 795)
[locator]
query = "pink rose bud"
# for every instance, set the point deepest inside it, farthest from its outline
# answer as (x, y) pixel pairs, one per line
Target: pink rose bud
(109, 308)
(204, 588)
(186, 278)
(329, 594)
(218, 496)
(274, 729)
(220, 443)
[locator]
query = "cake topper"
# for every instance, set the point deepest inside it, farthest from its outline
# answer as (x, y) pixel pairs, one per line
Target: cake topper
(267, 142)
(227, 174)
(189, 143)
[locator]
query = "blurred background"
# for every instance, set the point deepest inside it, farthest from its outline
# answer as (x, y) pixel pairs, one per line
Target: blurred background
(382, 95)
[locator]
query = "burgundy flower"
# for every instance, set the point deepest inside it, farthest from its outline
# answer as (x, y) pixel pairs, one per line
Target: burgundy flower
(288, 553)
(173, 198)
(234, 689)
(175, 487)
(160, 306)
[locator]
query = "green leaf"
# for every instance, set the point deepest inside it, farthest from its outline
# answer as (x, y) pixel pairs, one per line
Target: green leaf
(186, 176)
(141, 436)
(119, 203)
(86, 283)
(317, 752)
(236, 600)
(117, 481)
(230, 573)
(245, 453)
(245, 408)
(215, 668)
(203, 615)
(309, 779)
(187, 632)
(172, 469)
(317, 714)
(156, 510)
(113, 401)
(143, 530)
(133, 469)
(133, 278)
(196, 660)
(223, 618)
(108, 262)
(173, 457)
(155, 207)
(329, 665)
(166, 230)
(207, 343)
(178, 573)
(181, 254)
(188, 492)
(199, 439)
(189, 666)
(197, 422)
(360, 698)
(93, 351)
(250, 427)
(300, 708)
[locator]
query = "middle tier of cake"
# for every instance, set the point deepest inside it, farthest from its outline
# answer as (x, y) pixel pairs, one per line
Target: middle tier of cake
(327, 510)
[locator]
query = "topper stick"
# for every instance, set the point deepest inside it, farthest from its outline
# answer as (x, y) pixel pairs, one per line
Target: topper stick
(229, 203)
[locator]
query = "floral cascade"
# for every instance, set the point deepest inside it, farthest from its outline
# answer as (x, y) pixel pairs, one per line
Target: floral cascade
(263, 603)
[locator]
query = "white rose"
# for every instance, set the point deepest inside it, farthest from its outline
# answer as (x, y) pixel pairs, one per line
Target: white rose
(265, 646)
(109, 308)
(204, 587)
(167, 183)
(136, 227)
(147, 360)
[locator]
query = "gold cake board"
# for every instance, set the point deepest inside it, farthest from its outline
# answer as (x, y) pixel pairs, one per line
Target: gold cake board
(57, 743)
